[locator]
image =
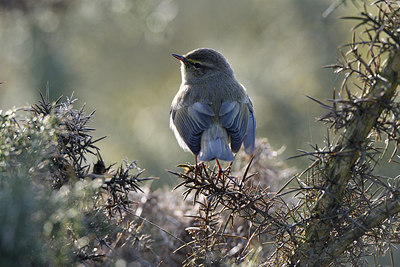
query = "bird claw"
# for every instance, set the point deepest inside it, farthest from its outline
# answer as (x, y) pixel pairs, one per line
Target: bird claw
(198, 167)
(224, 170)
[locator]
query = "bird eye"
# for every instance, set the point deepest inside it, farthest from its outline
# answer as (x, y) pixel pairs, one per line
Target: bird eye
(197, 65)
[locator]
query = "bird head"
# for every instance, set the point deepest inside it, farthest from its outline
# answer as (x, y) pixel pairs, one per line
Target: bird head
(201, 64)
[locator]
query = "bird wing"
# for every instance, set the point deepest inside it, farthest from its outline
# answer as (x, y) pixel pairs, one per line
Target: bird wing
(190, 122)
(250, 137)
(238, 119)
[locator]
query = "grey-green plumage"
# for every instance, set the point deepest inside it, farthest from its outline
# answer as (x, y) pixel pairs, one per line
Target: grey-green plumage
(211, 109)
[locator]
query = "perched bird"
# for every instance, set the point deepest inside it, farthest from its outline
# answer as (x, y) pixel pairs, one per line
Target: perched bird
(211, 115)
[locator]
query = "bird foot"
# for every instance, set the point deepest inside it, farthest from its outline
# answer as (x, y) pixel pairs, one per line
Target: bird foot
(223, 171)
(198, 167)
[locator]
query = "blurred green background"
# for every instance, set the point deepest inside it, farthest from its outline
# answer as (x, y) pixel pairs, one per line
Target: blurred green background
(116, 57)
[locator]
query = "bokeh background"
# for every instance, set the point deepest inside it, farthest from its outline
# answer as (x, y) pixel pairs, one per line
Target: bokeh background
(116, 58)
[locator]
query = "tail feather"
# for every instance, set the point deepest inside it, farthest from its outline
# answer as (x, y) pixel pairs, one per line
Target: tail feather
(215, 145)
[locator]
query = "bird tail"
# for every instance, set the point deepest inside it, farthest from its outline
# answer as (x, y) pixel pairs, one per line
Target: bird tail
(215, 145)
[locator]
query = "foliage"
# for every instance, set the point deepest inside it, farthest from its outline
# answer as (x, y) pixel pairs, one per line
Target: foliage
(352, 211)
(53, 212)
(57, 209)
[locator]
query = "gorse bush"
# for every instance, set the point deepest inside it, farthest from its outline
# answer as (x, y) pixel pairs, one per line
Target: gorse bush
(19, 228)
(53, 211)
(28, 208)
(57, 208)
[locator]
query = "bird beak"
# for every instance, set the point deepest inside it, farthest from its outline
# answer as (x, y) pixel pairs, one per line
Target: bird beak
(181, 58)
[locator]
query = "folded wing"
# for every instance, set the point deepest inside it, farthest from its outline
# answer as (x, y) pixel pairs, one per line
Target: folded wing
(238, 119)
(190, 122)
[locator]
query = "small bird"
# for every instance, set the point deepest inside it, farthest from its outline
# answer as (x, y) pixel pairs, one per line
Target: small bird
(211, 115)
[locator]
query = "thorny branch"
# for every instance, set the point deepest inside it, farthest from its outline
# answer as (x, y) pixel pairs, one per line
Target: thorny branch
(354, 154)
